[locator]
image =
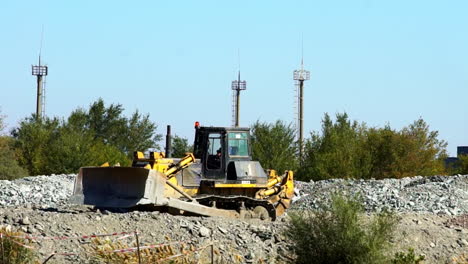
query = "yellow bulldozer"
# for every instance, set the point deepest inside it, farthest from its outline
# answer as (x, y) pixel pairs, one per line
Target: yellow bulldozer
(218, 179)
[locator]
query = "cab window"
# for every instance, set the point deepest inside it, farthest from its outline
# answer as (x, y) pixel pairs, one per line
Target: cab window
(237, 144)
(214, 151)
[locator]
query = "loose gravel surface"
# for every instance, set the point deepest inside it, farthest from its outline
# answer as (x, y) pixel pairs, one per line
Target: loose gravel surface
(447, 195)
(41, 191)
(432, 211)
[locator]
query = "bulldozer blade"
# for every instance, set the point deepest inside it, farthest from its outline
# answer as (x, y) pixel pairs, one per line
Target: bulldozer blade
(118, 187)
(127, 187)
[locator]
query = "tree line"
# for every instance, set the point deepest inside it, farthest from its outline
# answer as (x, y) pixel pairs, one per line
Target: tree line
(342, 149)
(86, 138)
(348, 149)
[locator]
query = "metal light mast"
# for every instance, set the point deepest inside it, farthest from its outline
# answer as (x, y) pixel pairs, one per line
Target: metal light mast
(236, 87)
(40, 71)
(300, 76)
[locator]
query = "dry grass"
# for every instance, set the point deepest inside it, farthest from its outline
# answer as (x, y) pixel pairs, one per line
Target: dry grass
(12, 250)
(177, 253)
(462, 259)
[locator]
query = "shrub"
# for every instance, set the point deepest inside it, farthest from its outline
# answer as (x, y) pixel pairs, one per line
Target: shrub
(338, 233)
(407, 258)
(11, 252)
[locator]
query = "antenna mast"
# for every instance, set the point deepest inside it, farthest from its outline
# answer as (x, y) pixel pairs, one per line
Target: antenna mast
(237, 86)
(40, 71)
(300, 76)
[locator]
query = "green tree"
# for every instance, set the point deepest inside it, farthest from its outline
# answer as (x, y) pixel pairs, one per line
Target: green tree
(86, 138)
(274, 146)
(9, 168)
(110, 126)
(460, 166)
(415, 150)
(346, 149)
(180, 146)
(337, 152)
(47, 146)
(463, 163)
(33, 139)
(72, 150)
(384, 146)
(425, 153)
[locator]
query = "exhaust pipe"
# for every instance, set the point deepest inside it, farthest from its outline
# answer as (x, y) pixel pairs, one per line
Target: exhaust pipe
(168, 142)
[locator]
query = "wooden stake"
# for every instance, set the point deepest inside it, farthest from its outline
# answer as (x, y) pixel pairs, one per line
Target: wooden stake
(212, 248)
(138, 247)
(49, 258)
(3, 251)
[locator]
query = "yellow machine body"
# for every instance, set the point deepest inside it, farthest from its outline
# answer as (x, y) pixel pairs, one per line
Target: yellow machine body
(179, 185)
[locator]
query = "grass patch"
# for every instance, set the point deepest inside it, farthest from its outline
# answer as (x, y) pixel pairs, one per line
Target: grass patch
(11, 249)
(101, 252)
(407, 258)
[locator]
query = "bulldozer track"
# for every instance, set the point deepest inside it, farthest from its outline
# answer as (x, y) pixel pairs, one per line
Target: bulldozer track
(237, 202)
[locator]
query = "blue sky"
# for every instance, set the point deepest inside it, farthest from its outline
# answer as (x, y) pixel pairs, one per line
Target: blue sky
(380, 61)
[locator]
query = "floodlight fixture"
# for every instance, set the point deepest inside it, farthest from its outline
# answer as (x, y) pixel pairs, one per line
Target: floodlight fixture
(39, 70)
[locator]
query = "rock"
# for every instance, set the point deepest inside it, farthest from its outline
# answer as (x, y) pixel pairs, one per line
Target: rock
(204, 232)
(278, 238)
(249, 258)
(462, 242)
(243, 237)
(25, 221)
(432, 245)
(31, 230)
(222, 230)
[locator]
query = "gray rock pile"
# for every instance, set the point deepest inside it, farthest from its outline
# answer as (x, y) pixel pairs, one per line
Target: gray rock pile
(436, 194)
(40, 191)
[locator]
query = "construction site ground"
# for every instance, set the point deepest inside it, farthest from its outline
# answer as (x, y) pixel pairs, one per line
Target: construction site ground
(439, 237)
(432, 212)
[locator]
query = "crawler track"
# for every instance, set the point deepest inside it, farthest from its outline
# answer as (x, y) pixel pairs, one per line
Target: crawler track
(246, 206)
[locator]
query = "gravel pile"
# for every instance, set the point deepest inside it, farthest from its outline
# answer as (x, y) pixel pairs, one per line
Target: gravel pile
(436, 194)
(40, 191)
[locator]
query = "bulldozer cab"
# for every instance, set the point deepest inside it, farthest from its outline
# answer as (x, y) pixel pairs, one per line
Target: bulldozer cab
(225, 154)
